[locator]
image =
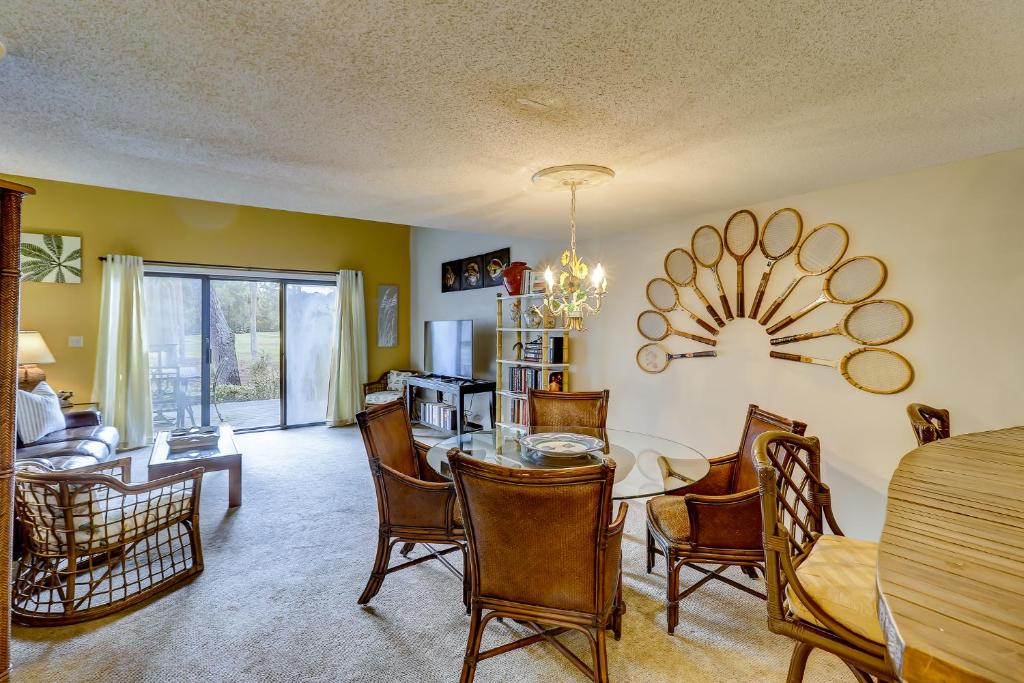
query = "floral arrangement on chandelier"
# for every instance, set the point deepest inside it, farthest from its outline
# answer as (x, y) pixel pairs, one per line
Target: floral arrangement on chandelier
(577, 289)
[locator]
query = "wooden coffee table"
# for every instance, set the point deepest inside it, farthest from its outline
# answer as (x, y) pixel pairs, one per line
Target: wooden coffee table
(224, 456)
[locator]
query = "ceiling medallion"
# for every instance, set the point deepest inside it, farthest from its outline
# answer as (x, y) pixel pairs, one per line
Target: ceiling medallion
(576, 289)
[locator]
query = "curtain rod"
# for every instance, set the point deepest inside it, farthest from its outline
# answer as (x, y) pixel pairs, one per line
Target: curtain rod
(241, 268)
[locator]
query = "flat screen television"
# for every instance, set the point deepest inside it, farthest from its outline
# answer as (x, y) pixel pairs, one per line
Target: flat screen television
(448, 348)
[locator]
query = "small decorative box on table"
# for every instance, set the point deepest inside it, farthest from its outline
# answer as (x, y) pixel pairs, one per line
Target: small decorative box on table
(199, 450)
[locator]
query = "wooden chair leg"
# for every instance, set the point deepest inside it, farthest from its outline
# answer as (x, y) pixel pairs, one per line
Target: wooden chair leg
(406, 549)
(650, 551)
(861, 676)
(749, 571)
(601, 657)
(798, 662)
(380, 569)
(672, 594)
(476, 632)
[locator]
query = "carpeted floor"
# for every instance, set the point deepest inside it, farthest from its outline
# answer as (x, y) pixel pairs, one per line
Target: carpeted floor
(277, 601)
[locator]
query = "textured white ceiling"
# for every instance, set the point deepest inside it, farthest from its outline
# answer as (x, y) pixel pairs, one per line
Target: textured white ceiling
(410, 111)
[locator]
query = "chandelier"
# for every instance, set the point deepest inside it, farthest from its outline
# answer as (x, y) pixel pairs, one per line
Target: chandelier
(576, 289)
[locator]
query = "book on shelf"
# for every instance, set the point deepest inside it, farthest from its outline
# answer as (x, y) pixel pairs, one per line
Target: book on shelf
(438, 415)
(533, 351)
(521, 379)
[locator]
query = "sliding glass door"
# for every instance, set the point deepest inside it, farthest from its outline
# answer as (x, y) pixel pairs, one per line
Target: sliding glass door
(253, 353)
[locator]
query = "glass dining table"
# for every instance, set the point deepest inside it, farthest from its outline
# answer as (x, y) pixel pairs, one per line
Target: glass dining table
(645, 465)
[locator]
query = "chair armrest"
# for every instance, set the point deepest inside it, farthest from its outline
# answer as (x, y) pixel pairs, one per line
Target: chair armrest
(613, 551)
(731, 521)
(427, 472)
(418, 503)
(717, 480)
(825, 496)
(379, 384)
(120, 469)
(83, 418)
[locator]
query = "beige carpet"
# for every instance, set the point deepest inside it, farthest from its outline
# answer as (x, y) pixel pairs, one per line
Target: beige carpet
(277, 601)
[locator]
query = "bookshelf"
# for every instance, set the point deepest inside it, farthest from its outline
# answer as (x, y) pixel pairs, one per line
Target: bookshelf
(516, 370)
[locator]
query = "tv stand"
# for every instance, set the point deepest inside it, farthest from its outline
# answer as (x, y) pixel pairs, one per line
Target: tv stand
(460, 387)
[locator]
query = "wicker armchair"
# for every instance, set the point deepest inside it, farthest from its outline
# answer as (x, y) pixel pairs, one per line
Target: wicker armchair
(378, 391)
(929, 424)
(567, 408)
(94, 544)
(715, 521)
(545, 552)
(821, 588)
(412, 509)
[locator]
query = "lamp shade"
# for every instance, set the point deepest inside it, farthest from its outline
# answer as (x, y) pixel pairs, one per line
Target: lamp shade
(33, 349)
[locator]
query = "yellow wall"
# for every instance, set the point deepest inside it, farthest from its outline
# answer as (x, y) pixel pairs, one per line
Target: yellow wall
(185, 230)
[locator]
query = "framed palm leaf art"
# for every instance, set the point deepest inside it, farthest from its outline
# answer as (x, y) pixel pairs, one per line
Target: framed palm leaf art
(51, 258)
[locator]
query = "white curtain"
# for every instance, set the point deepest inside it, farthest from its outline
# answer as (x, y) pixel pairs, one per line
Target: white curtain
(121, 386)
(348, 357)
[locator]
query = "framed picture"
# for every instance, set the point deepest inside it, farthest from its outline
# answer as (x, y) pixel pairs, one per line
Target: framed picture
(451, 276)
(472, 272)
(51, 258)
(494, 263)
(387, 316)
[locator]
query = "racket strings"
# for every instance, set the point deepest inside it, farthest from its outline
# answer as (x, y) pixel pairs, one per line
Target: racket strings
(707, 246)
(822, 249)
(652, 358)
(741, 233)
(878, 370)
(680, 267)
(653, 325)
(877, 322)
(781, 233)
(856, 279)
(662, 294)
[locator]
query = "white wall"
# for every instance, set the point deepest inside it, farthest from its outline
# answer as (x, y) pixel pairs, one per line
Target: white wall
(953, 239)
(429, 248)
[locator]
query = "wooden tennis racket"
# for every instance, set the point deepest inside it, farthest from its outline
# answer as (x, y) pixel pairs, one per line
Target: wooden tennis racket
(819, 253)
(872, 323)
(854, 280)
(655, 325)
(879, 371)
(740, 239)
(682, 271)
(654, 358)
(664, 296)
(779, 236)
(706, 244)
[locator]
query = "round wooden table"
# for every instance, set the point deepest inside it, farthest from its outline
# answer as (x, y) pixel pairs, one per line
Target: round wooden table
(951, 560)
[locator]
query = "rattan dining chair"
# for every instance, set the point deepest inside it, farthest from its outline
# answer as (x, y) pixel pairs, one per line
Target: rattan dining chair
(545, 552)
(567, 408)
(929, 424)
(94, 544)
(411, 508)
(716, 520)
(821, 587)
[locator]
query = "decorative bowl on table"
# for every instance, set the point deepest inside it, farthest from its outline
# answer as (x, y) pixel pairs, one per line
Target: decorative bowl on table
(562, 444)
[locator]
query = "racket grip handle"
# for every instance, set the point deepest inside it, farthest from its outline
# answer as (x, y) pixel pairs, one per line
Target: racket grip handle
(788, 320)
(725, 305)
(739, 291)
(714, 315)
(697, 338)
(785, 356)
(763, 285)
(702, 354)
(772, 310)
(792, 338)
(706, 325)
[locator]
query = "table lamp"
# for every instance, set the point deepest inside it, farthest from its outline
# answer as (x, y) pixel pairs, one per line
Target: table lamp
(32, 351)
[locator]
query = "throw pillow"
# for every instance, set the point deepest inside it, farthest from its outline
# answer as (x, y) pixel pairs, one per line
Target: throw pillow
(396, 380)
(38, 413)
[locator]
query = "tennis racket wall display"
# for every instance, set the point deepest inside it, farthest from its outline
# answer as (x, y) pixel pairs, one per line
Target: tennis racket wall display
(682, 271)
(854, 280)
(706, 244)
(779, 236)
(740, 239)
(879, 371)
(872, 323)
(655, 325)
(819, 253)
(664, 296)
(654, 358)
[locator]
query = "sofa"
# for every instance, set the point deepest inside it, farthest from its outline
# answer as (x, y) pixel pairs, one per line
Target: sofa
(85, 440)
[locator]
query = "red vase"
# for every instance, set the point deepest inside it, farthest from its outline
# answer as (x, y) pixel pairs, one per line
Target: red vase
(513, 276)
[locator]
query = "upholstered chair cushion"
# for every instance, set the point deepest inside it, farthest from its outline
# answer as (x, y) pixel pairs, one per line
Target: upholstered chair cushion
(669, 515)
(397, 379)
(839, 575)
(381, 397)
